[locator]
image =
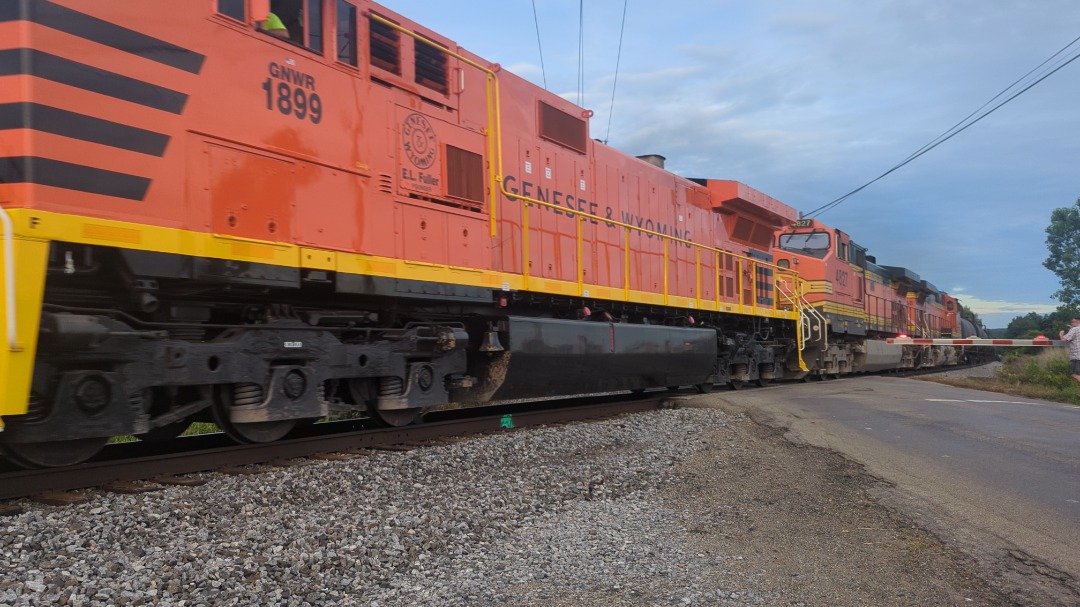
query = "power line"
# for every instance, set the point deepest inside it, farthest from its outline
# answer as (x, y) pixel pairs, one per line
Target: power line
(618, 59)
(581, 53)
(992, 99)
(957, 129)
(539, 45)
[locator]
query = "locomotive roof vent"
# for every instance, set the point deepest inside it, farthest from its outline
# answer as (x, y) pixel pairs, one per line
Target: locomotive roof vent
(653, 159)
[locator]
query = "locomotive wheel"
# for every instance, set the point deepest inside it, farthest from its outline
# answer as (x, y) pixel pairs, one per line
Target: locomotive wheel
(735, 384)
(395, 418)
(704, 388)
(250, 433)
(53, 454)
(166, 433)
(761, 383)
(364, 391)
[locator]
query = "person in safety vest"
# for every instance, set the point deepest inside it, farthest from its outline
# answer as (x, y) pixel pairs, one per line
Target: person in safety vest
(274, 26)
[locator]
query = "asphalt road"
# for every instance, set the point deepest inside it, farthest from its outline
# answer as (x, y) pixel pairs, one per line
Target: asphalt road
(997, 476)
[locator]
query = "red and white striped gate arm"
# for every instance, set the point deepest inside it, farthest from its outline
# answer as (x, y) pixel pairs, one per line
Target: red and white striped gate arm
(918, 341)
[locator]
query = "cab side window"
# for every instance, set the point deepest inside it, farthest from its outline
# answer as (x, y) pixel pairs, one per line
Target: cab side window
(232, 8)
(314, 25)
(346, 33)
(303, 20)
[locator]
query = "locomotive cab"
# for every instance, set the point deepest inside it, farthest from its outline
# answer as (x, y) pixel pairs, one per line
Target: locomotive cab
(834, 267)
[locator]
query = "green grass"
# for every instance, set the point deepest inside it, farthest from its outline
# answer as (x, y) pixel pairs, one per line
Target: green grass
(1044, 375)
(194, 429)
(201, 428)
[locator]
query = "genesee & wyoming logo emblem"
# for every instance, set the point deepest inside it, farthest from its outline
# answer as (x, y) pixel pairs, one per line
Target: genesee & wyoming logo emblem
(421, 145)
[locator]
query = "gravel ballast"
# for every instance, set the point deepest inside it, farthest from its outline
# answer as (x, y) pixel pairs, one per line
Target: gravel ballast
(686, 507)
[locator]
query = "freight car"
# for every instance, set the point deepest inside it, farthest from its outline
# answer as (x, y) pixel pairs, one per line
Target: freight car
(201, 220)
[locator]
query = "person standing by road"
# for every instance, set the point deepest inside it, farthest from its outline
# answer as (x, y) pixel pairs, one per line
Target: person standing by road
(1073, 337)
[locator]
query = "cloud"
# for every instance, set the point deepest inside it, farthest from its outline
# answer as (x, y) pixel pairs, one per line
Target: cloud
(807, 102)
(984, 307)
(526, 70)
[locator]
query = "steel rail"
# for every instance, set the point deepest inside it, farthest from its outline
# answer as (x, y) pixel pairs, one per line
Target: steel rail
(25, 483)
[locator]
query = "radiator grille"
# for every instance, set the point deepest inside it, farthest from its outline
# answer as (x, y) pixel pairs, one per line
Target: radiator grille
(562, 128)
(385, 47)
(464, 174)
(431, 64)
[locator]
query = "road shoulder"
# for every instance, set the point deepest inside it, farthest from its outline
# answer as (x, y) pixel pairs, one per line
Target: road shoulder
(802, 525)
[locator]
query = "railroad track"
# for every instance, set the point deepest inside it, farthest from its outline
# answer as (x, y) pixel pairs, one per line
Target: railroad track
(138, 466)
(130, 467)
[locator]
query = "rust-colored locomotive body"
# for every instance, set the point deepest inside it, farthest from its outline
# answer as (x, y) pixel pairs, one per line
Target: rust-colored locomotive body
(203, 220)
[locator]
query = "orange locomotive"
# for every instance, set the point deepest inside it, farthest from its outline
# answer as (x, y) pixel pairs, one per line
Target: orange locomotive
(856, 304)
(204, 220)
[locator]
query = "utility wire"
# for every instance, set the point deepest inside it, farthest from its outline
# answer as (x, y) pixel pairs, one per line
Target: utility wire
(618, 59)
(581, 53)
(995, 97)
(954, 130)
(539, 45)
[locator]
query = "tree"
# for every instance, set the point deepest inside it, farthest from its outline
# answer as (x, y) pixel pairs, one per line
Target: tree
(1058, 320)
(1063, 242)
(1025, 326)
(971, 316)
(1034, 324)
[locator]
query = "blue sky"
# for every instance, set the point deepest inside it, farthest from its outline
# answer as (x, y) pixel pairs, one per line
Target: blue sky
(806, 101)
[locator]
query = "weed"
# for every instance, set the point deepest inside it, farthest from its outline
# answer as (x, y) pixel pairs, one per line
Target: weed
(1043, 374)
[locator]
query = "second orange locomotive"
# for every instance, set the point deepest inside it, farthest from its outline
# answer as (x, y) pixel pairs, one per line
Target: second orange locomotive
(855, 305)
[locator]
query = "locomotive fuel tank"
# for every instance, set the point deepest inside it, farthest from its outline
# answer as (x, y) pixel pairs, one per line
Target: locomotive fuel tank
(542, 356)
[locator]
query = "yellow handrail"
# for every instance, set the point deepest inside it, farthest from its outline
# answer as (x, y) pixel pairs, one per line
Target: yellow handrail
(697, 278)
(497, 186)
(581, 254)
(492, 97)
(798, 304)
(753, 264)
(11, 324)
